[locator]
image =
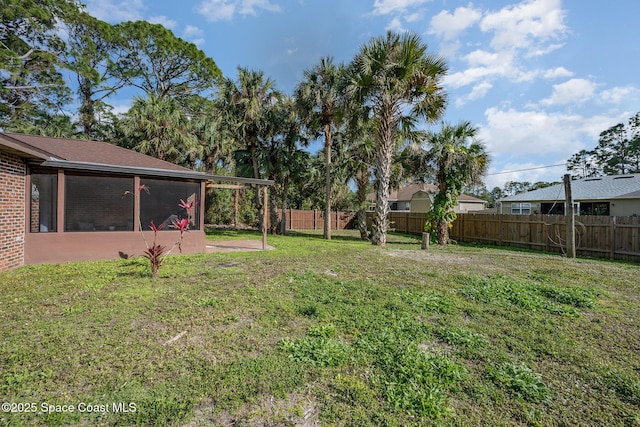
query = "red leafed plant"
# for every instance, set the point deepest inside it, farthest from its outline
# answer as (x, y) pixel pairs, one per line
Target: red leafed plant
(156, 253)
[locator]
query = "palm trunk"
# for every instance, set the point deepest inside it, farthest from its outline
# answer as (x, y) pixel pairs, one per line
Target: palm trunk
(383, 175)
(327, 209)
(273, 213)
(362, 179)
(283, 219)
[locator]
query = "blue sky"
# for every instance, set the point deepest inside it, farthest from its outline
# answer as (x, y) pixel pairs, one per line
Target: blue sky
(540, 78)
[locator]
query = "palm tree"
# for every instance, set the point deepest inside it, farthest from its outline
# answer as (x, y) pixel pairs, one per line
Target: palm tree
(319, 101)
(243, 109)
(359, 138)
(458, 159)
(159, 127)
(394, 74)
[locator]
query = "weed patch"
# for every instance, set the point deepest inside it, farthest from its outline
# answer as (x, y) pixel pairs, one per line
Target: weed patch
(532, 296)
(520, 380)
(318, 347)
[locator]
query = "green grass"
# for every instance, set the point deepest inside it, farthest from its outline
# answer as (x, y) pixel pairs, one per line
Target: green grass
(339, 332)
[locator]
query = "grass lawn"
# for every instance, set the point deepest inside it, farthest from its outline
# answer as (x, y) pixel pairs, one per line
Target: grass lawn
(324, 333)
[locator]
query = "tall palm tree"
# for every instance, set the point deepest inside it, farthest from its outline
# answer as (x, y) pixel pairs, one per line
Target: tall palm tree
(458, 159)
(319, 101)
(159, 127)
(359, 138)
(395, 74)
(243, 108)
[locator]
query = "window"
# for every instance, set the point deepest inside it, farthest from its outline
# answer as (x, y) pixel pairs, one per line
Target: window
(43, 201)
(95, 203)
(556, 208)
(594, 208)
(161, 203)
(521, 208)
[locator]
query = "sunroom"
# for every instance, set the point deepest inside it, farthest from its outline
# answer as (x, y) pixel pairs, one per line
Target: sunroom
(88, 200)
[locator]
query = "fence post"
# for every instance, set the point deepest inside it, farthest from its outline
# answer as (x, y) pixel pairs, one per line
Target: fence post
(613, 237)
(314, 219)
(570, 218)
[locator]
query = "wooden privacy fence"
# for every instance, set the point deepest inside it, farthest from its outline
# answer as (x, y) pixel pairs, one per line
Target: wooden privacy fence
(596, 236)
(314, 219)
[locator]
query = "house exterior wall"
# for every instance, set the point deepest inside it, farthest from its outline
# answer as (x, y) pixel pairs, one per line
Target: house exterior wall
(420, 204)
(618, 207)
(625, 207)
(506, 207)
(46, 248)
(464, 207)
(12, 211)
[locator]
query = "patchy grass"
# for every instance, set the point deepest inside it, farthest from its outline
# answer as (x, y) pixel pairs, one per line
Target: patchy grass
(333, 332)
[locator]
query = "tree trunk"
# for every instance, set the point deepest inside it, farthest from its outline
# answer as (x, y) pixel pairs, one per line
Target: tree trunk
(283, 220)
(362, 179)
(273, 213)
(327, 209)
(443, 232)
(383, 174)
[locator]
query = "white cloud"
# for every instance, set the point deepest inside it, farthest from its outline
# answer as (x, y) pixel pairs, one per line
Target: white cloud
(571, 92)
(385, 7)
(450, 25)
(520, 140)
(484, 65)
(191, 31)
(217, 10)
(224, 10)
(618, 94)
(193, 34)
(526, 24)
(248, 7)
(116, 11)
(479, 91)
(557, 73)
(539, 133)
(395, 25)
(164, 21)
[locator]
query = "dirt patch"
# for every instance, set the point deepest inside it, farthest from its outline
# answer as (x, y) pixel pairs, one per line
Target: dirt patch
(294, 410)
(436, 258)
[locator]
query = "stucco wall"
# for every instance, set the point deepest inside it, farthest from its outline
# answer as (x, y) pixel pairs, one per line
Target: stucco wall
(627, 207)
(464, 207)
(12, 211)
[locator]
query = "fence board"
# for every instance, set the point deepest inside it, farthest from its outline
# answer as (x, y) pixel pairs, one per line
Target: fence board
(298, 219)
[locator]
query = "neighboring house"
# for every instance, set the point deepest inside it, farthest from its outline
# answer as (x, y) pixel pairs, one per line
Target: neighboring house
(616, 195)
(418, 198)
(62, 200)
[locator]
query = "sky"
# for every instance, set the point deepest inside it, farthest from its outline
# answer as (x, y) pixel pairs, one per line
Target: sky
(539, 78)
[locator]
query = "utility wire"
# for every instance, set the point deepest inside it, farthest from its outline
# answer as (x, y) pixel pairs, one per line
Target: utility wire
(527, 169)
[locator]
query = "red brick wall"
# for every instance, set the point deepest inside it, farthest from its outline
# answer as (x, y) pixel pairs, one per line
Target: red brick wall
(12, 211)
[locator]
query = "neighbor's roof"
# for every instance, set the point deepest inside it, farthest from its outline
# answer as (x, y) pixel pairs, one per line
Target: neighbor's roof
(462, 198)
(594, 188)
(405, 194)
(95, 156)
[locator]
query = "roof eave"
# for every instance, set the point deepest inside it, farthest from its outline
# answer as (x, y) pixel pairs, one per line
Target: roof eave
(242, 180)
(132, 170)
(129, 170)
(23, 150)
